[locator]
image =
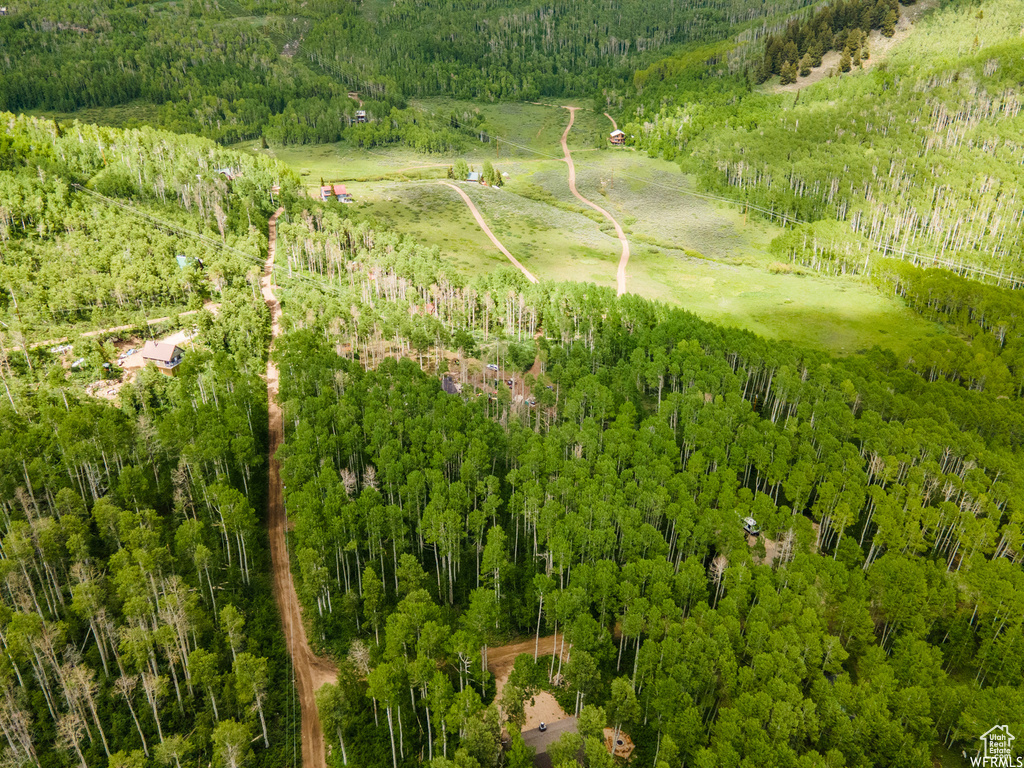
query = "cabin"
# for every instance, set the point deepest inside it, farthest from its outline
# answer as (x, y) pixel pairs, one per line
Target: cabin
(3, 10)
(360, 115)
(166, 357)
(476, 178)
(326, 192)
(617, 137)
(342, 194)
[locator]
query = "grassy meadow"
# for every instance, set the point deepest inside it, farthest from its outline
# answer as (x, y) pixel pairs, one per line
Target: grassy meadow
(686, 250)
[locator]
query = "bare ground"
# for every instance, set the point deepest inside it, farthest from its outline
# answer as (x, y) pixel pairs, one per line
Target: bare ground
(311, 671)
(543, 708)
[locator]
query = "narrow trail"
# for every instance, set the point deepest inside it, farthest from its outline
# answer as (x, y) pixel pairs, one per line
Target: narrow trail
(615, 126)
(310, 671)
(487, 231)
(624, 259)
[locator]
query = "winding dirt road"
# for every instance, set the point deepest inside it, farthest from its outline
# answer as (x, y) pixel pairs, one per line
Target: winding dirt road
(310, 671)
(624, 259)
(487, 231)
(615, 126)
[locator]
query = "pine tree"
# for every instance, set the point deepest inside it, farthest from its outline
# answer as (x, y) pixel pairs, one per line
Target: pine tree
(788, 74)
(805, 65)
(889, 23)
(845, 61)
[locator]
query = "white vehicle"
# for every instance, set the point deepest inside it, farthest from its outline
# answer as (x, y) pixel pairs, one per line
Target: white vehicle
(492, 367)
(750, 526)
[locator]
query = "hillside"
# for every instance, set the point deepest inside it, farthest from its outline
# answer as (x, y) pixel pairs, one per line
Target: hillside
(241, 69)
(920, 156)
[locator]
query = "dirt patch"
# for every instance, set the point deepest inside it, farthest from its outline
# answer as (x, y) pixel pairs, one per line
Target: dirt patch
(543, 707)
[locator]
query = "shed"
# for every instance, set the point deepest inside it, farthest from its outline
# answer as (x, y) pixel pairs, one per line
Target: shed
(166, 357)
(617, 137)
(475, 177)
(449, 386)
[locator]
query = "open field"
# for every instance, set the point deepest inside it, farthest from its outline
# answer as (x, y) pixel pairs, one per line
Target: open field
(696, 253)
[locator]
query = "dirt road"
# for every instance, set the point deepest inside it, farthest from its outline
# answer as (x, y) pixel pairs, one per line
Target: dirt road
(487, 231)
(310, 671)
(615, 126)
(624, 259)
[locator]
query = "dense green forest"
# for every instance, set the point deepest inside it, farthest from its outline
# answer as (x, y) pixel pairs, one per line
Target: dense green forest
(878, 620)
(921, 155)
(92, 221)
(241, 69)
(136, 615)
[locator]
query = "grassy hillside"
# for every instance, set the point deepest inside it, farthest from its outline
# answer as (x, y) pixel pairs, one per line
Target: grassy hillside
(921, 155)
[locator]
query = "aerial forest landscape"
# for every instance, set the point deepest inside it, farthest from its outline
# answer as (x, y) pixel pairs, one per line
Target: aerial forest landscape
(511, 383)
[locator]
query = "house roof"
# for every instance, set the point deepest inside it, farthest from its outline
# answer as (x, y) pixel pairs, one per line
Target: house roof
(473, 176)
(160, 351)
(360, 113)
(339, 189)
(617, 132)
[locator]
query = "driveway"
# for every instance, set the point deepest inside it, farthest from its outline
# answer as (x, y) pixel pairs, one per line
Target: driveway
(541, 741)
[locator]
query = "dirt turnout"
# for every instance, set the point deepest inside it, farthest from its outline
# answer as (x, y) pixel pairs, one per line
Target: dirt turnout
(544, 708)
(487, 231)
(624, 259)
(310, 671)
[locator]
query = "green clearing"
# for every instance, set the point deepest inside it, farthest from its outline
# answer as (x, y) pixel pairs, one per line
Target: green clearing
(686, 250)
(130, 115)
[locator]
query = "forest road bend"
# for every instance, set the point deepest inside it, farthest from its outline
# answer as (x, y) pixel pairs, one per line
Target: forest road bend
(615, 126)
(487, 231)
(311, 671)
(620, 275)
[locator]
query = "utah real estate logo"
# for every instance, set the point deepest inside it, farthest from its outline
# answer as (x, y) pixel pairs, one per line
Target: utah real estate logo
(998, 750)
